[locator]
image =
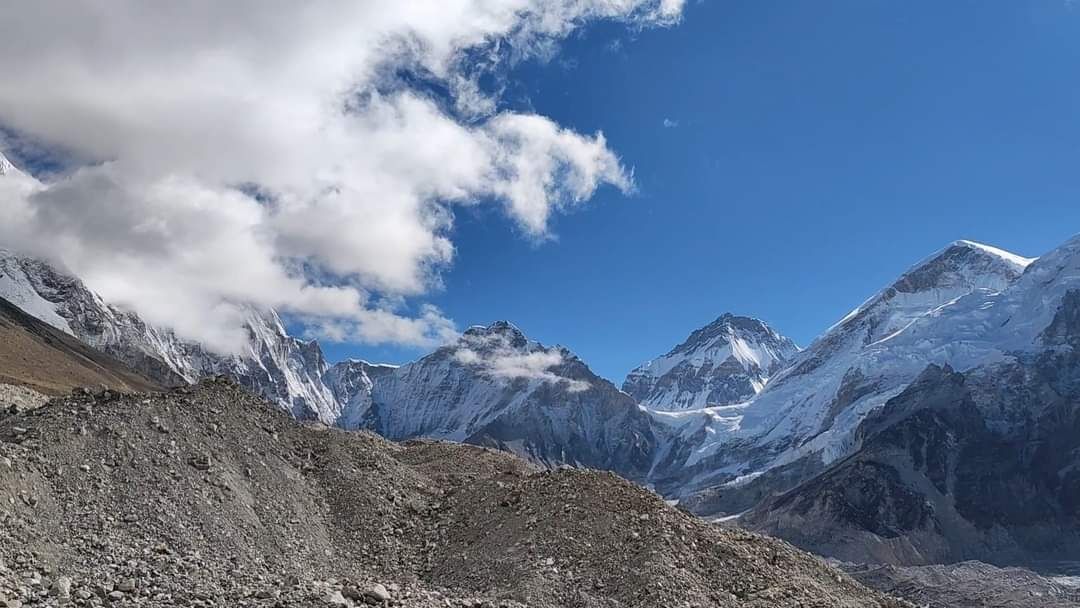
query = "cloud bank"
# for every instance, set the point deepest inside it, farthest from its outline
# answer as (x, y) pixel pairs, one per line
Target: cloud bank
(273, 153)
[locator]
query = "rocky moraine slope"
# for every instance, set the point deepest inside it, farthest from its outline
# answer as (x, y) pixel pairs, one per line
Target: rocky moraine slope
(206, 496)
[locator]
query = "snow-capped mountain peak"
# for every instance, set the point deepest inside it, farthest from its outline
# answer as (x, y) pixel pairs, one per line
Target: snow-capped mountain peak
(808, 411)
(954, 271)
(725, 362)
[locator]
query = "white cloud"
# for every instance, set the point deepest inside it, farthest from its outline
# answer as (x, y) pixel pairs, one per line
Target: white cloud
(670, 123)
(175, 106)
(498, 357)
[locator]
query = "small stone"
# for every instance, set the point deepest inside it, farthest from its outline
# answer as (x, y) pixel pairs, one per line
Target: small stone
(376, 594)
(266, 594)
(61, 588)
(127, 585)
(116, 595)
(85, 468)
(200, 462)
(334, 598)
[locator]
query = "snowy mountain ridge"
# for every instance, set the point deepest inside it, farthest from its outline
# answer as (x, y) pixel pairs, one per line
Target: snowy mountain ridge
(728, 361)
(807, 415)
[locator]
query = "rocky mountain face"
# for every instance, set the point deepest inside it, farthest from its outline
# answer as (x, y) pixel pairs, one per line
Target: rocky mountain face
(728, 361)
(977, 461)
(495, 387)
(206, 496)
(959, 466)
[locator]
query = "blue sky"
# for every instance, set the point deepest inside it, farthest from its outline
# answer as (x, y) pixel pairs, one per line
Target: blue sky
(790, 158)
(821, 147)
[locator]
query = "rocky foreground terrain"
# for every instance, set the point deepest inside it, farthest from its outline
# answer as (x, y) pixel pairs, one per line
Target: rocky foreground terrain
(206, 496)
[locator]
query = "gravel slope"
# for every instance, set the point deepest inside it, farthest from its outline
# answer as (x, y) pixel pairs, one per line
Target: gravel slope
(45, 359)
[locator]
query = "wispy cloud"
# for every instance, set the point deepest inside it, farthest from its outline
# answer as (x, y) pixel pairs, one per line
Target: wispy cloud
(670, 123)
(497, 357)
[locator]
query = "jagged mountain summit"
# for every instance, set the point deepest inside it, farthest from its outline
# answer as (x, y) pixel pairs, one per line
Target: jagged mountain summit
(976, 458)
(728, 361)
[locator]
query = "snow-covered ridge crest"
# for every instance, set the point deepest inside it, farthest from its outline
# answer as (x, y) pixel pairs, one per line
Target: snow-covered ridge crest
(496, 387)
(1018, 260)
(18, 287)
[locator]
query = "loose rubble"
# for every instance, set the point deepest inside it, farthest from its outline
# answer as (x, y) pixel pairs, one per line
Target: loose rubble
(15, 398)
(206, 496)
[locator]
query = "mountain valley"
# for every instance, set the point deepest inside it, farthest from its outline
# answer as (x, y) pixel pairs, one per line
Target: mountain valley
(893, 438)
